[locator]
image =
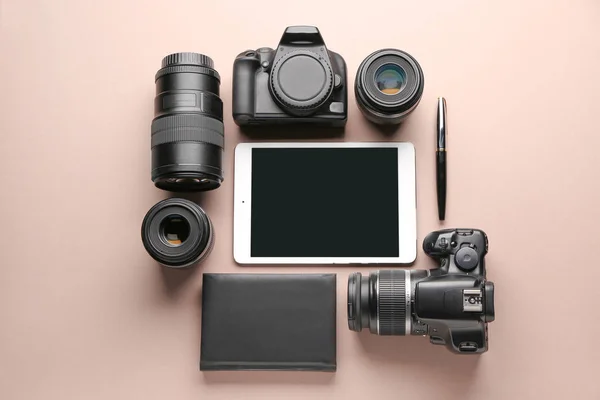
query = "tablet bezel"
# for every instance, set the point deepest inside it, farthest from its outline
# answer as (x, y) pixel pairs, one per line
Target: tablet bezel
(407, 205)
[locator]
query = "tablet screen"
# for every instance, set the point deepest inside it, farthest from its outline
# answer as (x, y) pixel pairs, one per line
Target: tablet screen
(324, 202)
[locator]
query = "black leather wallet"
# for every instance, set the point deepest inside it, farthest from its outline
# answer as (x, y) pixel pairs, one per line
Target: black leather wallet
(268, 322)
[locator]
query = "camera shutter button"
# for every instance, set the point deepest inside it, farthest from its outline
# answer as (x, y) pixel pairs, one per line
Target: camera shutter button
(466, 258)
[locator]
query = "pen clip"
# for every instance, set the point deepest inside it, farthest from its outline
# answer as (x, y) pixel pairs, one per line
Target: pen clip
(441, 125)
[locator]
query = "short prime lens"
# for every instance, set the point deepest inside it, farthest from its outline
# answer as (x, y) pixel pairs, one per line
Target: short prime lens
(388, 86)
(177, 233)
(187, 130)
(383, 301)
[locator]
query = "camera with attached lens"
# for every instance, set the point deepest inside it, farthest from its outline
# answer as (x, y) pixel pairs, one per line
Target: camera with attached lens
(451, 304)
(300, 81)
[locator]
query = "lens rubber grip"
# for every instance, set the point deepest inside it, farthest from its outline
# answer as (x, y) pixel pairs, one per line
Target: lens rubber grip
(188, 58)
(392, 302)
(187, 128)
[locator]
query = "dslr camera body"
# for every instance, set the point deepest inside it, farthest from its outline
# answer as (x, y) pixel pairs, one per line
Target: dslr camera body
(456, 301)
(300, 81)
(452, 304)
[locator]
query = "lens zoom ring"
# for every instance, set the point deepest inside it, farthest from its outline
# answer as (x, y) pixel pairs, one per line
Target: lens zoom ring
(188, 58)
(187, 128)
(392, 303)
(176, 69)
(188, 135)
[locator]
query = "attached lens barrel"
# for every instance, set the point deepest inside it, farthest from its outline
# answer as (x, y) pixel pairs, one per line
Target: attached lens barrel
(388, 86)
(383, 301)
(187, 130)
(177, 233)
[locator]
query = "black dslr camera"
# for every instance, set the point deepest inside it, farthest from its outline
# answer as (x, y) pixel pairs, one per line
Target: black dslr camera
(298, 82)
(452, 304)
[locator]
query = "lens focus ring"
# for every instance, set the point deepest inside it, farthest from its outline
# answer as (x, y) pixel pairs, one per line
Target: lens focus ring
(187, 127)
(392, 302)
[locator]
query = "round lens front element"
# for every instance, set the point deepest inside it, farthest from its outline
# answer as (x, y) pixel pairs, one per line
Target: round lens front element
(390, 79)
(389, 85)
(175, 230)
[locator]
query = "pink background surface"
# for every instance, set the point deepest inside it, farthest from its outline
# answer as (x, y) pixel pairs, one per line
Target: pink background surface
(86, 314)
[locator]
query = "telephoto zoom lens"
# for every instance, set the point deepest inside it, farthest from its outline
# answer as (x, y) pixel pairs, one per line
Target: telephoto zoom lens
(388, 86)
(382, 302)
(187, 130)
(177, 233)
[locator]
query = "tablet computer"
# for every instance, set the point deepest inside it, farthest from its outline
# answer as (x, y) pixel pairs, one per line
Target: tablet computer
(324, 203)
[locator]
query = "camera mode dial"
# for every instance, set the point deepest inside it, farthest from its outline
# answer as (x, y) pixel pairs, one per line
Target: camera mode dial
(301, 81)
(466, 259)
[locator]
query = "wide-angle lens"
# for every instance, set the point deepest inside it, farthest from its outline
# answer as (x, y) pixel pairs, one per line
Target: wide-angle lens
(388, 86)
(187, 130)
(177, 233)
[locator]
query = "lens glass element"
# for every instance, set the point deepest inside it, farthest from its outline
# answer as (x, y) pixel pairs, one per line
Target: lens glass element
(390, 79)
(187, 180)
(174, 230)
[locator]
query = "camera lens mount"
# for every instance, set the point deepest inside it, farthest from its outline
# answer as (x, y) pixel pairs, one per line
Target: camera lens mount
(301, 81)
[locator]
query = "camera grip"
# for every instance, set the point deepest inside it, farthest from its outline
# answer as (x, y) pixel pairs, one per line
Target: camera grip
(244, 70)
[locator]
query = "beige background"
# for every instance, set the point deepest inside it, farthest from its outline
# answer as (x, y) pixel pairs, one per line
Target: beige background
(86, 314)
